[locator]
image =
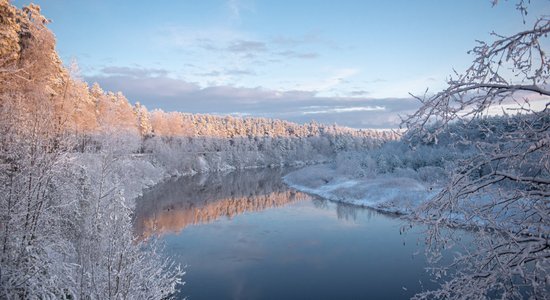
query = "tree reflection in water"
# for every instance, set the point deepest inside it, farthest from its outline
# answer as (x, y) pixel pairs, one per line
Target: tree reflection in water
(344, 211)
(203, 198)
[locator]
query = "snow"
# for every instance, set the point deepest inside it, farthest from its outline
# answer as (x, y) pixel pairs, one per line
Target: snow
(386, 193)
(395, 194)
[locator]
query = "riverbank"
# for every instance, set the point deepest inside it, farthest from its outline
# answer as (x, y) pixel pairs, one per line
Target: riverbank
(134, 174)
(394, 193)
(386, 193)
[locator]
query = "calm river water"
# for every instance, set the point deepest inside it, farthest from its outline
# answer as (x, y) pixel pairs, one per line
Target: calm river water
(245, 235)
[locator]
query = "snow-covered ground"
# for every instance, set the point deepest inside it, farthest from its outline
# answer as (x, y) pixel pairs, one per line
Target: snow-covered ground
(384, 192)
(397, 194)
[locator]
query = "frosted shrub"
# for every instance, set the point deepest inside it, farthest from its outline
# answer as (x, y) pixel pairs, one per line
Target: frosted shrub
(346, 164)
(432, 174)
(406, 172)
(368, 166)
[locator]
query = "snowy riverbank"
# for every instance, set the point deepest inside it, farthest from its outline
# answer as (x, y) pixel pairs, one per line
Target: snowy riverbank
(384, 192)
(397, 194)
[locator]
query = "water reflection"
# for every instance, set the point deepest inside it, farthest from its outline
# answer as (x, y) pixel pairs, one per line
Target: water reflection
(344, 211)
(203, 198)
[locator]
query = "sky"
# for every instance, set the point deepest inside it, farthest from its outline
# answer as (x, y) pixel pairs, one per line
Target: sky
(353, 63)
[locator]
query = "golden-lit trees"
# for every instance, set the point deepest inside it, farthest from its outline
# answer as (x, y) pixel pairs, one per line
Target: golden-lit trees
(115, 113)
(46, 193)
(143, 120)
(80, 107)
(159, 124)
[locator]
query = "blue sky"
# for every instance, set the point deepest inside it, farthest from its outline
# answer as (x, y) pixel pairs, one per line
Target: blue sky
(349, 62)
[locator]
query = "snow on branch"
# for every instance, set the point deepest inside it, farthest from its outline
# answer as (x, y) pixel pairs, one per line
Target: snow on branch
(503, 188)
(509, 66)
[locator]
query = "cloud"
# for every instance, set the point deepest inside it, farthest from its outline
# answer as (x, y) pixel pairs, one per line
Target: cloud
(240, 72)
(222, 40)
(157, 90)
(207, 44)
(133, 72)
(310, 38)
(402, 87)
(523, 102)
(183, 38)
(293, 42)
(232, 50)
(236, 7)
(359, 93)
(339, 76)
(209, 74)
(230, 72)
(294, 54)
(247, 46)
(344, 109)
(376, 80)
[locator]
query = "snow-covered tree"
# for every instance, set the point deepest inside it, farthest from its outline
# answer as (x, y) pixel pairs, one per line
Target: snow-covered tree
(52, 203)
(143, 120)
(504, 187)
(111, 263)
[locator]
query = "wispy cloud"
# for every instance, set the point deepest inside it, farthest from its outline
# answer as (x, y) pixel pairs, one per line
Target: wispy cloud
(237, 7)
(230, 72)
(339, 76)
(209, 74)
(402, 87)
(247, 46)
(182, 37)
(234, 8)
(310, 38)
(295, 54)
(522, 103)
(225, 56)
(375, 80)
(240, 72)
(344, 110)
(359, 93)
(134, 72)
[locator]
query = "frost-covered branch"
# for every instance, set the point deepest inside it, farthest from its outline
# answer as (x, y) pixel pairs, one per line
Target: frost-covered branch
(503, 187)
(502, 71)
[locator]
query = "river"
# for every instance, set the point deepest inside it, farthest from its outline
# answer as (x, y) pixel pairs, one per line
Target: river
(246, 235)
